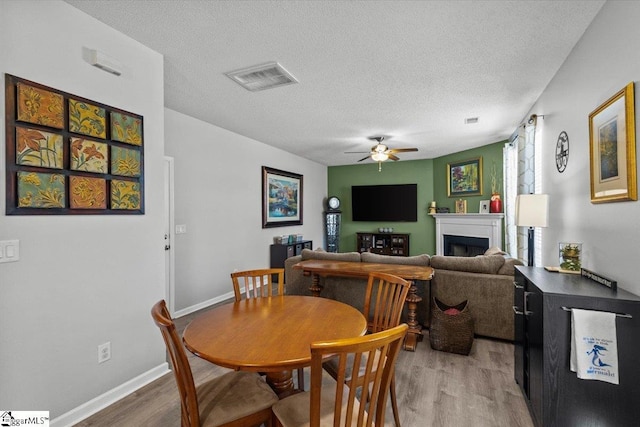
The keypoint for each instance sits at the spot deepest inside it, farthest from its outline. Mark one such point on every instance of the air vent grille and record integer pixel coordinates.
(261, 77)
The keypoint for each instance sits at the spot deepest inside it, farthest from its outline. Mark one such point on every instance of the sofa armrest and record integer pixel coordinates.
(490, 299)
(296, 283)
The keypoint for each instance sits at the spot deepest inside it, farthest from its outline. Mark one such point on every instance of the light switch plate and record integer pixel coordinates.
(9, 250)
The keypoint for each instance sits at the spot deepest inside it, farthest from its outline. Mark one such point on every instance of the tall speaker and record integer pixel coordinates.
(332, 219)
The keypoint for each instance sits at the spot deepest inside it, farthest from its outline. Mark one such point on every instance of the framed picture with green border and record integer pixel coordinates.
(464, 178)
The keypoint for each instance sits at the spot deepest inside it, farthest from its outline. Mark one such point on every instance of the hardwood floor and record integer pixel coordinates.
(435, 389)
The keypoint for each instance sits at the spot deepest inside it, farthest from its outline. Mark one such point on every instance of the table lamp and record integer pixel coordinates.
(532, 210)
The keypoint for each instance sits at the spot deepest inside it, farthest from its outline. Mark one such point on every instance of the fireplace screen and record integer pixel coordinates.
(464, 245)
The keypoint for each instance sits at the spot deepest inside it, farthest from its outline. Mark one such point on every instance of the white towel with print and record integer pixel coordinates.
(594, 350)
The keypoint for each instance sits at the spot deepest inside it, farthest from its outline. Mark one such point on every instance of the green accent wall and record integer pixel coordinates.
(431, 178)
(491, 155)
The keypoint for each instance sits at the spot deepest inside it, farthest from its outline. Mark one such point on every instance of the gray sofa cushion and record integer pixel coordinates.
(487, 264)
(320, 254)
(508, 268)
(388, 259)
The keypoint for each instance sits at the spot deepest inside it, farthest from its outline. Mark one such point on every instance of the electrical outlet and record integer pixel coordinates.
(104, 352)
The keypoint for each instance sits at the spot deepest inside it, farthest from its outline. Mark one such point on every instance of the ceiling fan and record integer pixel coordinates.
(380, 152)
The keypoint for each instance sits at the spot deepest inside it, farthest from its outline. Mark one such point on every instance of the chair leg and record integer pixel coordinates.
(301, 379)
(394, 402)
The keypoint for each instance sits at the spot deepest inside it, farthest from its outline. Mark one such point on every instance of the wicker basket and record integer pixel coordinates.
(451, 332)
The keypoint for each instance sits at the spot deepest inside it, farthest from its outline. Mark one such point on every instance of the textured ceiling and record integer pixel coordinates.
(410, 70)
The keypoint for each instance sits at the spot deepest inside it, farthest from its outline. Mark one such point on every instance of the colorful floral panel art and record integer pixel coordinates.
(126, 129)
(89, 156)
(125, 162)
(87, 193)
(38, 148)
(125, 194)
(40, 106)
(69, 155)
(40, 190)
(87, 119)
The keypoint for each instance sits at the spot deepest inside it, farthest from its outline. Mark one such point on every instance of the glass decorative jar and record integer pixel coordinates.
(570, 257)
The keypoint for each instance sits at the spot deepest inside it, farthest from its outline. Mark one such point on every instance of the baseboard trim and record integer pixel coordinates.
(203, 304)
(89, 408)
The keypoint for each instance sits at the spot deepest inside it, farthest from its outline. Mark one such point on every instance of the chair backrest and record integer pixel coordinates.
(385, 295)
(257, 283)
(364, 355)
(180, 362)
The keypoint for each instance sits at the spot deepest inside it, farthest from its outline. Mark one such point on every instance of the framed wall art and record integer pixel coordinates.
(281, 198)
(67, 155)
(464, 178)
(612, 149)
(461, 206)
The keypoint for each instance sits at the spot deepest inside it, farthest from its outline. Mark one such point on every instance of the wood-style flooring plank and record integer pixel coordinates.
(434, 389)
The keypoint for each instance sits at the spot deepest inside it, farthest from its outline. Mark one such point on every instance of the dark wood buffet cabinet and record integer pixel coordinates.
(278, 253)
(396, 244)
(554, 394)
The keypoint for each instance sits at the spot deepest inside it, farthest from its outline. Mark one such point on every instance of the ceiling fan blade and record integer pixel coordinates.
(356, 152)
(364, 158)
(402, 150)
(392, 157)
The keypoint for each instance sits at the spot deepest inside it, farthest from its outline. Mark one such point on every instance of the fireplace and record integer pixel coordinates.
(464, 245)
(480, 226)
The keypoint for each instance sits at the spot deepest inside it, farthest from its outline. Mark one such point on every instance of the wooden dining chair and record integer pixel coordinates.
(383, 303)
(235, 399)
(334, 404)
(257, 284)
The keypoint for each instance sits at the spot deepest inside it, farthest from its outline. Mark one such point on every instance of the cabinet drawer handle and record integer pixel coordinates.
(515, 310)
(515, 285)
(526, 304)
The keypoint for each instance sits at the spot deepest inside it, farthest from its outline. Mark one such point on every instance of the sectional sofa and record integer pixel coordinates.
(485, 281)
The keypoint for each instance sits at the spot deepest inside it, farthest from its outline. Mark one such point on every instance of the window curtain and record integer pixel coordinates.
(520, 171)
(510, 174)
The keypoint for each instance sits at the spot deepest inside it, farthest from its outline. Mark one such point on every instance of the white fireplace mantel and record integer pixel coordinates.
(488, 226)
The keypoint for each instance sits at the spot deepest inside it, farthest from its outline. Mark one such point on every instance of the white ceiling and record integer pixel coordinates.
(410, 70)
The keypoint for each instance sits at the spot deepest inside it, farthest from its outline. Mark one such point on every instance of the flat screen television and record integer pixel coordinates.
(398, 202)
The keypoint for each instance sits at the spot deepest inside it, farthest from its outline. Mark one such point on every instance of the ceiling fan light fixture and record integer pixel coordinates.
(380, 156)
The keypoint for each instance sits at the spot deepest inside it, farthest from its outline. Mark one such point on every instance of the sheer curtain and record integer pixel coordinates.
(522, 169)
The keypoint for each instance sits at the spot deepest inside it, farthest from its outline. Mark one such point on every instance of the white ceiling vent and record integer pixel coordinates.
(260, 77)
(471, 120)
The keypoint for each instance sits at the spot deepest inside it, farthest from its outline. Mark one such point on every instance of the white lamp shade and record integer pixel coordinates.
(532, 210)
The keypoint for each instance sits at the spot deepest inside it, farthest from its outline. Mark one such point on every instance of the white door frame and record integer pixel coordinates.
(169, 230)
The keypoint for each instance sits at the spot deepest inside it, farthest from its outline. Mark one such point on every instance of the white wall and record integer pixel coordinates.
(602, 63)
(81, 280)
(218, 188)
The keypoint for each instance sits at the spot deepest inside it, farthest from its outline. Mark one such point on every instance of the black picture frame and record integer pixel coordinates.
(281, 198)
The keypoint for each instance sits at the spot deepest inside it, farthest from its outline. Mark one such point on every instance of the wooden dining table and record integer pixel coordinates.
(271, 335)
(317, 268)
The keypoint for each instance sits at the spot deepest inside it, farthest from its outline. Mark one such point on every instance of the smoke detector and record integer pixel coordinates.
(261, 77)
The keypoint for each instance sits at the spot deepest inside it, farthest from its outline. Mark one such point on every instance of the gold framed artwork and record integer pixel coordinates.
(461, 206)
(464, 178)
(612, 149)
(67, 155)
